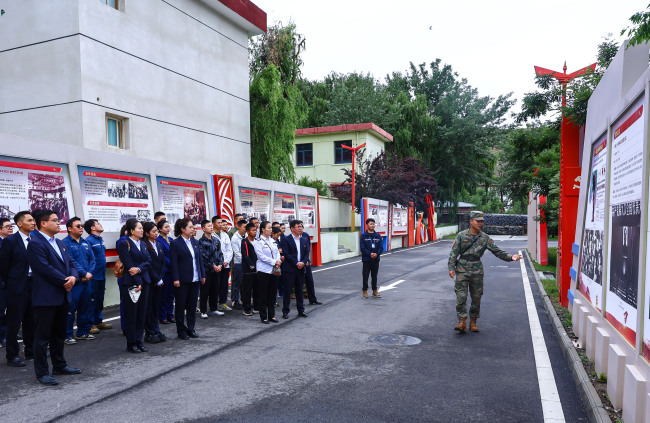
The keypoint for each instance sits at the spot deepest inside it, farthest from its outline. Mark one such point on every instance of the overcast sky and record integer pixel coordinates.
(494, 44)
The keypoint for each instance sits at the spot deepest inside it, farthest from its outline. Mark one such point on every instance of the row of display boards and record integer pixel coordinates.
(612, 273)
(113, 195)
(391, 220)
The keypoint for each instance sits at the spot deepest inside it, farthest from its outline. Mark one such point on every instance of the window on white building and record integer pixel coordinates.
(342, 155)
(304, 154)
(115, 131)
(115, 4)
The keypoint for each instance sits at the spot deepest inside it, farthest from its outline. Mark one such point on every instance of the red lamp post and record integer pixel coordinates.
(354, 152)
(569, 182)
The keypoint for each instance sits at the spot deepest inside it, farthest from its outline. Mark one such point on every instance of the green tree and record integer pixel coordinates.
(277, 105)
(639, 31)
(320, 186)
(274, 119)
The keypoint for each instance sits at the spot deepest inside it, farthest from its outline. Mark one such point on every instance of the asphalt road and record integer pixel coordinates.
(324, 368)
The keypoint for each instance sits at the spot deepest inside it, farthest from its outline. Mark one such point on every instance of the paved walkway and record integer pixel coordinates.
(326, 368)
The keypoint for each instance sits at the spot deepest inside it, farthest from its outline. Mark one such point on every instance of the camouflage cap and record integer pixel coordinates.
(477, 215)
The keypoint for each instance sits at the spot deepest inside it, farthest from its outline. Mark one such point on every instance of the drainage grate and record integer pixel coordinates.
(392, 339)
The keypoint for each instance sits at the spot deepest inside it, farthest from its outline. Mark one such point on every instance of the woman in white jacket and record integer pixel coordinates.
(265, 289)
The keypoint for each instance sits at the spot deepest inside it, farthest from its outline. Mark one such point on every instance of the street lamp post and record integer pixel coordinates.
(354, 153)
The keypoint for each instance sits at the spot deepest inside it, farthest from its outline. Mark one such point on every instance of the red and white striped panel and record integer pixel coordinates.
(226, 202)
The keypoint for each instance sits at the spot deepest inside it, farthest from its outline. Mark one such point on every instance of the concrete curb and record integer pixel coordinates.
(588, 394)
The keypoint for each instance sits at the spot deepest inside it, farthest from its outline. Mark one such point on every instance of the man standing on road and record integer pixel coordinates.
(470, 245)
(372, 245)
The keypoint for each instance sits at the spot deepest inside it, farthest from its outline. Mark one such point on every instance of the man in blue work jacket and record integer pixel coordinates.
(372, 246)
(84, 260)
(98, 282)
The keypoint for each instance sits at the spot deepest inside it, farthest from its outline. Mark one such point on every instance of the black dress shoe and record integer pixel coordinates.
(183, 336)
(161, 337)
(133, 349)
(47, 380)
(302, 314)
(266, 322)
(273, 320)
(285, 315)
(192, 334)
(171, 320)
(15, 362)
(142, 348)
(152, 339)
(315, 303)
(67, 370)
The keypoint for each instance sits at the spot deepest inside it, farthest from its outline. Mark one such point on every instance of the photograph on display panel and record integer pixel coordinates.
(307, 210)
(255, 203)
(179, 198)
(31, 185)
(625, 186)
(284, 207)
(113, 197)
(590, 279)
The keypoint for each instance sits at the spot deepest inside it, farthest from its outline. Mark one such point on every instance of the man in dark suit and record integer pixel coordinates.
(6, 228)
(309, 278)
(296, 257)
(53, 275)
(17, 275)
(188, 274)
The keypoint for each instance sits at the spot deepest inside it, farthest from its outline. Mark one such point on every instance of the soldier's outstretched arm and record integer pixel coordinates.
(500, 253)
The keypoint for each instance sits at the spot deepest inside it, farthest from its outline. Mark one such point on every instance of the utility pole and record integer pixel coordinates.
(354, 153)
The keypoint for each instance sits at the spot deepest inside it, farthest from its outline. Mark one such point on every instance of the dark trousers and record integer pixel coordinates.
(81, 308)
(19, 310)
(186, 297)
(235, 283)
(309, 282)
(210, 291)
(266, 286)
(293, 280)
(49, 329)
(134, 314)
(97, 292)
(122, 321)
(248, 282)
(3, 318)
(223, 285)
(167, 298)
(370, 268)
(153, 305)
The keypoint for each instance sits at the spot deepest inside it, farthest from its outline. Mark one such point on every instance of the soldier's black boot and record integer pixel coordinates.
(461, 326)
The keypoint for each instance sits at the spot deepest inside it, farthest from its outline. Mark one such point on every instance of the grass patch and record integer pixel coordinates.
(551, 288)
(552, 262)
(452, 236)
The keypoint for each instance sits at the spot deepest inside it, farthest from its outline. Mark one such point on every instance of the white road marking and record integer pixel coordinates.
(391, 286)
(551, 404)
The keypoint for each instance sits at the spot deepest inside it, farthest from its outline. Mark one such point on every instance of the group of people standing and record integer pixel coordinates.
(47, 284)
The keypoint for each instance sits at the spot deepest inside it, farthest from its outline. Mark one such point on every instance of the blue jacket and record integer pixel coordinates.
(156, 270)
(14, 266)
(165, 246)
(291, 253)
(49, 271)
(99, 250)
(82, 255)
(366, 244)
(131, 256)
(181, 260)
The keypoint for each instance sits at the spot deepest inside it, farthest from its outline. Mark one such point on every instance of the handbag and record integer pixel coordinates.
(277, 271)
(118, 270)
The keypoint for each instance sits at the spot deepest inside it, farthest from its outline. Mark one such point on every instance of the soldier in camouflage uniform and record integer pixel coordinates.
(470, 245)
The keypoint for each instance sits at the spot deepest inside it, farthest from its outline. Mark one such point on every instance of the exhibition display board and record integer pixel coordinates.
(112, 197)
(592, 257)
(284, 207)
(399, 225)
(32, 184)
(307, 210)
(624, 242)
(255, 202)
(178, 198)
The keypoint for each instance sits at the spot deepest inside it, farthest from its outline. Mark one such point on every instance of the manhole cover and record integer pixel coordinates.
(392, 339)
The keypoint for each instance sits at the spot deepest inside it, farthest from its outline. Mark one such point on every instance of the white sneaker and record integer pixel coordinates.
(223, 307)
(70, 341)
(86, 337)
(204, 316)
(256, 311)
(216, 313)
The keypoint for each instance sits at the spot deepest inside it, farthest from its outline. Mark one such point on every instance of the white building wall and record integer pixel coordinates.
(177, 71)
